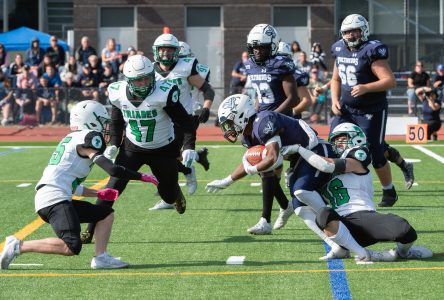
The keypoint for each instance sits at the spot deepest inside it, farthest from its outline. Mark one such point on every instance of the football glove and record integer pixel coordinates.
(204, 115)
(249, 169)
(108, 194)
(149, 178)
(188, 157)
(219, 184)
(289, 150)
(110, 152)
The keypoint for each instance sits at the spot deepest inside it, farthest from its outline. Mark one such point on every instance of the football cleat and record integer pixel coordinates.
(409, 177)
(161, 205)
(10, 251)
(389, 198)
(86, 237)
(181, 203)
(262, 227)
(417, 252)
(191, 181)
(375, 256)
(284, 215)
(203, 158)
(336, 253)
(106, 261)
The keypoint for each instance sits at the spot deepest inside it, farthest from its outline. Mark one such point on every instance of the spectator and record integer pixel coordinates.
(317, 57)
(34, 55)
(303, 64)
(46, 97)
(130, 52)
(53, 77)
(4, 59)
(296, 51)
(107, 78)
(438, 81)
(238, 75)
(56, 53)
(73, 67)
(25, 100)
(16, 68)
(431, 107)
(28, 76)
(70, 90)
(96, 69)
(318, 99)
(111, 55)
(88, 84)
(84, 51)
(42, 67)
(7, 100)
(417, 79)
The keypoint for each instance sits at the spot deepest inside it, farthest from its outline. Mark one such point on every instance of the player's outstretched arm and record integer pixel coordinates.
(221, 184)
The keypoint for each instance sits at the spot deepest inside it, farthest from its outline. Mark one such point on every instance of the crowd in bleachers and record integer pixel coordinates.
(33, 85)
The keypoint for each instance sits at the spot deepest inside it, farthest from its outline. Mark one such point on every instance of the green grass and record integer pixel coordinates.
(176, 256)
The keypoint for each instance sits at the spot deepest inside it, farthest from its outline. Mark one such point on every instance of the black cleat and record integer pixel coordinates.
(389, 198)
(409, 177)
(86, 237)
(203, 159)
(181, 203)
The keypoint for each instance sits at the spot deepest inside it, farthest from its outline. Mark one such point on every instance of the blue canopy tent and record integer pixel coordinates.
(20, 39)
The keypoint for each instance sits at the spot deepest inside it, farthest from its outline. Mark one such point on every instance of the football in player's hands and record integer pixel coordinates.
(256, 154)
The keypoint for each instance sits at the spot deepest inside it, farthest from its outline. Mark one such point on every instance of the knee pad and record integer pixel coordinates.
(325, 216)
(393, 154)
(74, 244)
(311, 198)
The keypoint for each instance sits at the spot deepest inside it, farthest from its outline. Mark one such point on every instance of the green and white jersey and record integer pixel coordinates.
(179, 76)
(66, 168)
(196, 94)
(350, 192)
(147, 125)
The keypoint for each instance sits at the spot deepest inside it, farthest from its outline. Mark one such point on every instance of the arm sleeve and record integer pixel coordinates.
(116, 127)
(179, 115)
(115, 170)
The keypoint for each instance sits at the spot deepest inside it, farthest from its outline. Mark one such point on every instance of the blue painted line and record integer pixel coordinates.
(338, 280)
(12, 151)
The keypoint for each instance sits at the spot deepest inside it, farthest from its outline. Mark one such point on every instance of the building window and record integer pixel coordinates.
(117, 17)
(388, 17)
(203, 16)
(289, 16)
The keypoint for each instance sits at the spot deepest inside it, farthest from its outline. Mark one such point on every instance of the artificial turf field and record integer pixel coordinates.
(176, 256)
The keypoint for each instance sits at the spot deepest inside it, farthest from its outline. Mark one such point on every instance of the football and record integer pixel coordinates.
(255, 154)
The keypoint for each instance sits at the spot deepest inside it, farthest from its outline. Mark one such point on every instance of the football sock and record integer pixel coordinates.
(308, 215)
(387, 187)
(344, 238)
(268, 188)
(280, 195)
(403, 249)
(403, 166)
(311, 198)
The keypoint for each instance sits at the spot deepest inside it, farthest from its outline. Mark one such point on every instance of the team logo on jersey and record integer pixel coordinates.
(360, 155)
(337, 49)
(304, 80)
(382, 51)
(268, 128)
(97, 142)
(369, 116)
(125, 106)
(175, 96)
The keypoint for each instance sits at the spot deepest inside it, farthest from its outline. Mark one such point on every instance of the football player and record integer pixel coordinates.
(302, 81)
(361, 77)
(197, 98)
(271, 76)
(146, 110)
(68, 167)
(184, 72)
(237, 115)
(352, 220)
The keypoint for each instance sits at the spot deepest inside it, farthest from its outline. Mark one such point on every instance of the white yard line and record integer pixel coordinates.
(429, 153)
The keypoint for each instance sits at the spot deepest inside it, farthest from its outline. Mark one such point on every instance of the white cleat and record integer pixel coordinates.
(10, 251)
(336, 253)
(372, 255)
(106, 261)
(284, 215)
(161, 205)
(418, 252)
(191, 181)
(262, 227)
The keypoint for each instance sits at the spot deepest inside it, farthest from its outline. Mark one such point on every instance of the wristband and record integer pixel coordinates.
(79, 191)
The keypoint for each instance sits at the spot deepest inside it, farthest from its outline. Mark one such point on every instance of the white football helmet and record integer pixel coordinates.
(354, 134)
(91, 115)
(355, 21)
(263, 35)
(138, 67)
(284, 49)
(233, 114)
(185, 50)
(169, 41)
